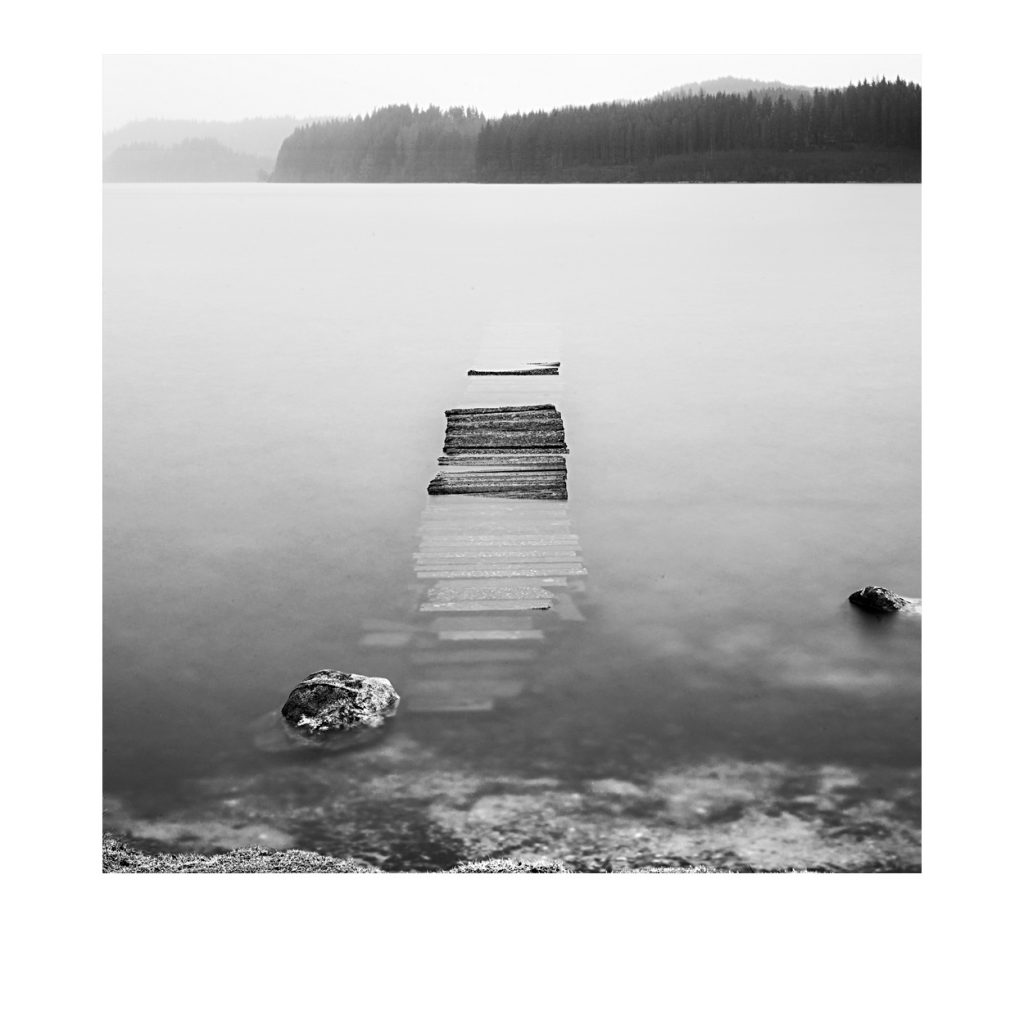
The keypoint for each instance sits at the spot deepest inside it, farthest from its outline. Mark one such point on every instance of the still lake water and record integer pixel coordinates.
(741, 367)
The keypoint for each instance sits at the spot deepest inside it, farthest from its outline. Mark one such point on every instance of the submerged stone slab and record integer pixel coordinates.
(441, 702)
(505, 555)
(541, 604)
(491, 634)
(489, 590)
(383, 639)
(485, 655)
(512, 540)
(450, 622)
(548, 572)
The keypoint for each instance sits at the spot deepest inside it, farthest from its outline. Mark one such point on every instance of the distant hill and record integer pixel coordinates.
(738, 87)
(189, 160)
(258, 136)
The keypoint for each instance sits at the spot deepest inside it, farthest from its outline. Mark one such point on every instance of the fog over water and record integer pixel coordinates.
(240, 85)
(741, 368)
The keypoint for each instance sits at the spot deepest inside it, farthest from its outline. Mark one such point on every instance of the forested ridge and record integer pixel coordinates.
(397, 143)
(870, 131)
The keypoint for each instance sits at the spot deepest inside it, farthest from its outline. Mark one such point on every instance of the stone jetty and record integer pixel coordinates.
(499, 577)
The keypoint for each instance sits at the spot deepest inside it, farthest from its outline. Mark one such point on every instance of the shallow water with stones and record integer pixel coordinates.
(739, 388)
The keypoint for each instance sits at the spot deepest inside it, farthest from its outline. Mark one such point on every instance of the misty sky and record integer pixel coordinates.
(233, 86)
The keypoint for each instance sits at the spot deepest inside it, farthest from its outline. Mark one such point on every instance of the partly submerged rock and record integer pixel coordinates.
(329, 710)
(879, 600)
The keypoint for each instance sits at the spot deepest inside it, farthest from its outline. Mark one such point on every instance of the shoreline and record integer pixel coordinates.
(121, 858)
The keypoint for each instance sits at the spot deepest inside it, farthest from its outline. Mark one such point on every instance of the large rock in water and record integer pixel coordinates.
(878, 600)
(329, 710)
(330, 701)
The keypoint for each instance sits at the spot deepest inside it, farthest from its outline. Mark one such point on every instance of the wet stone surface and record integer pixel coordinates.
(330, 705)
(504, 451)
(879, 600)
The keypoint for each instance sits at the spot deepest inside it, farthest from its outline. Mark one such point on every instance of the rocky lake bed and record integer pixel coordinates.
(402, 806)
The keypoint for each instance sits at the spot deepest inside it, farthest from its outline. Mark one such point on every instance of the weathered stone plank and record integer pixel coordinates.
(474, 656)
(510, 589)
(499, 409)
(444, 703)
(537, 494)
(525, 371)
(537, 604)
(503, 571)
(510, 540)
(461, 635)
(386, 639)
(502, 556)
(446, 622)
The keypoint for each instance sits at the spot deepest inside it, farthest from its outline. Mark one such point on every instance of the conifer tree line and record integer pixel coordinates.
(397, 143)
(871, 130)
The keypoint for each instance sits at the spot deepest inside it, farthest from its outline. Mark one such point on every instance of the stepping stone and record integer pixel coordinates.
(485, 622)
(385, 639)
(527, 438)
(468, 505)
(485, 688)
(440, 702)
(500, 409)
(524, 518)
(489, 590)
(493, 528)
(539, 494)
(499, 469)
(499, 481)
(543, 566)
(462, 635)
(536, 605)
(483, 674)
(527, 418)
(462, 657)
(484, 540)
(504, 555)
(503, 572)
(507, 456)
(460, 542)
